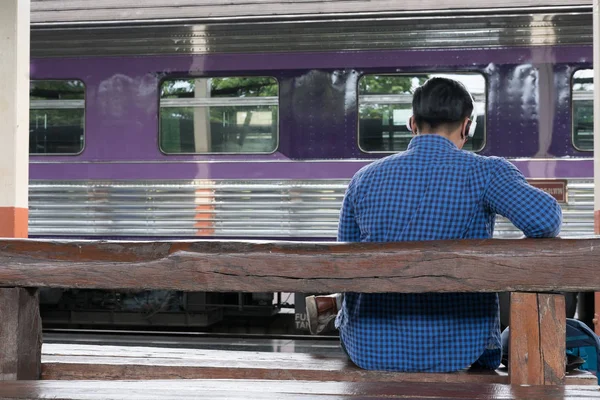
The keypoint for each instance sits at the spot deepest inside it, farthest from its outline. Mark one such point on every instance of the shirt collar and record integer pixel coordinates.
(432, 141)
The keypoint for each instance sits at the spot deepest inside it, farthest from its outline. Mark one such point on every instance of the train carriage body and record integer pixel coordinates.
(251, 127)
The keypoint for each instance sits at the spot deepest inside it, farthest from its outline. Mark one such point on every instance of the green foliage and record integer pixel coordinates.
(583, 115)
(390, 84)
(233, 87)
(54, 130)
(386, 85)
(223, 118)
(221, 87)
(56, 90)
(244, 87)
(583, 111)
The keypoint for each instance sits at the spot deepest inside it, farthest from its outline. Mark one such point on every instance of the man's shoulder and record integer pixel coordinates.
(488, 164)
(382, 163)
(496, 163)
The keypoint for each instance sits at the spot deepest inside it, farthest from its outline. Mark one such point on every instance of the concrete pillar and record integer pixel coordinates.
(21, 330)
(596, 16)
(202, 117)
(14, 114)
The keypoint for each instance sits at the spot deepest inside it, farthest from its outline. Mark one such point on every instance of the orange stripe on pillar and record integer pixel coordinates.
(204, 220)
(14, 114)
(13, 222)
(597, 222)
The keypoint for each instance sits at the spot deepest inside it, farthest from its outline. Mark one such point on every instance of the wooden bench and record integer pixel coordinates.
(532, 269)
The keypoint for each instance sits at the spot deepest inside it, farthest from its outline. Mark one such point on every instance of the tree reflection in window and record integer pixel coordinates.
(56, 116)
(583, 110)
(385, 104)
(219, 115)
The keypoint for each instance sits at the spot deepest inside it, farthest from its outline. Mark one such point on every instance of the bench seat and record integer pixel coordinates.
(75, 362)
(263, 389)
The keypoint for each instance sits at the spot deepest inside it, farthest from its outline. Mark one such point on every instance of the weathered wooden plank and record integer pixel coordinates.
(20, 334)
(450, 266)
(553, 329)
(245, 389)
(525, 363)
(92, 362)
(596, 313)
(81, 362)
(537, 339)
(137, 369)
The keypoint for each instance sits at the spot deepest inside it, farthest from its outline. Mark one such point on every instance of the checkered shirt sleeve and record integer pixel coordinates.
(348, 229)
(533, 211)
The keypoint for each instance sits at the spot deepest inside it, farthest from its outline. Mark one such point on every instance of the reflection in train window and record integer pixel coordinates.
(219, 115)
(583, 110)
(56, 116)
(385, 104)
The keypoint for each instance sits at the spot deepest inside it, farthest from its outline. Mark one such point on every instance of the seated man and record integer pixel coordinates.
(432, 191)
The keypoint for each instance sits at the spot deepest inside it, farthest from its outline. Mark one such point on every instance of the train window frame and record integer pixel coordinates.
(185, 77)
(84, 134)
(572, 93)
(413, 74)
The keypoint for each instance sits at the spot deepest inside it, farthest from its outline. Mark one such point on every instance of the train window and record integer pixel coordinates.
(583, 110)
(385, 104)
(56, 116)
(219, 115)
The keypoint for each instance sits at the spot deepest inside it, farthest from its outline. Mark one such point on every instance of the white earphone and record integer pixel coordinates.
(472, 126)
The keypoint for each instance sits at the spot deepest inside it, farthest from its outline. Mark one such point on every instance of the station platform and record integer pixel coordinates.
(282, 390)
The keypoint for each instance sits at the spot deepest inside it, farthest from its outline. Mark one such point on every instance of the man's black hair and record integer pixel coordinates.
(441, 101)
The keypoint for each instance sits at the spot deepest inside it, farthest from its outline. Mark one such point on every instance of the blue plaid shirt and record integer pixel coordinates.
(433, 191)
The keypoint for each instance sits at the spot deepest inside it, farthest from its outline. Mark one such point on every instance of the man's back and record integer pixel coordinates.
(433, 191)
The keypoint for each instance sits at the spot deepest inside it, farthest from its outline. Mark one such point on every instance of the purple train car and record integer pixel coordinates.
(250, 128)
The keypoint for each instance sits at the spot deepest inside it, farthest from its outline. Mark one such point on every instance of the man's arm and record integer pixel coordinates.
(531, 210)
(348, 230)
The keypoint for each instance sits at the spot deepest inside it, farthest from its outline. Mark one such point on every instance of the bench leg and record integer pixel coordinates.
(20, 334)
(596, 312)
(537, 339)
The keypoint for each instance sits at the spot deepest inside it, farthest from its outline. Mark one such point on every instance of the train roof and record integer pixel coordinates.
(69, 32)
(118, 11)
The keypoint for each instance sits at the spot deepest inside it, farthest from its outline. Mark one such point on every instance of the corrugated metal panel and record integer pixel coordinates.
(116, 10)
(223, 208)
(492, 30)
(195, 208)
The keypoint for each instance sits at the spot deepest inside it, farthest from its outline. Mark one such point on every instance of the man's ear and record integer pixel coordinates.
(412, 126)
(464, 129)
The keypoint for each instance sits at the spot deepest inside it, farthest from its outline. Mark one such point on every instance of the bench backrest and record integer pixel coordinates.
(446, 266)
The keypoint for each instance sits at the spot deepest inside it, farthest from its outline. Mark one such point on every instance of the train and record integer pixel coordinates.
(250, 128)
